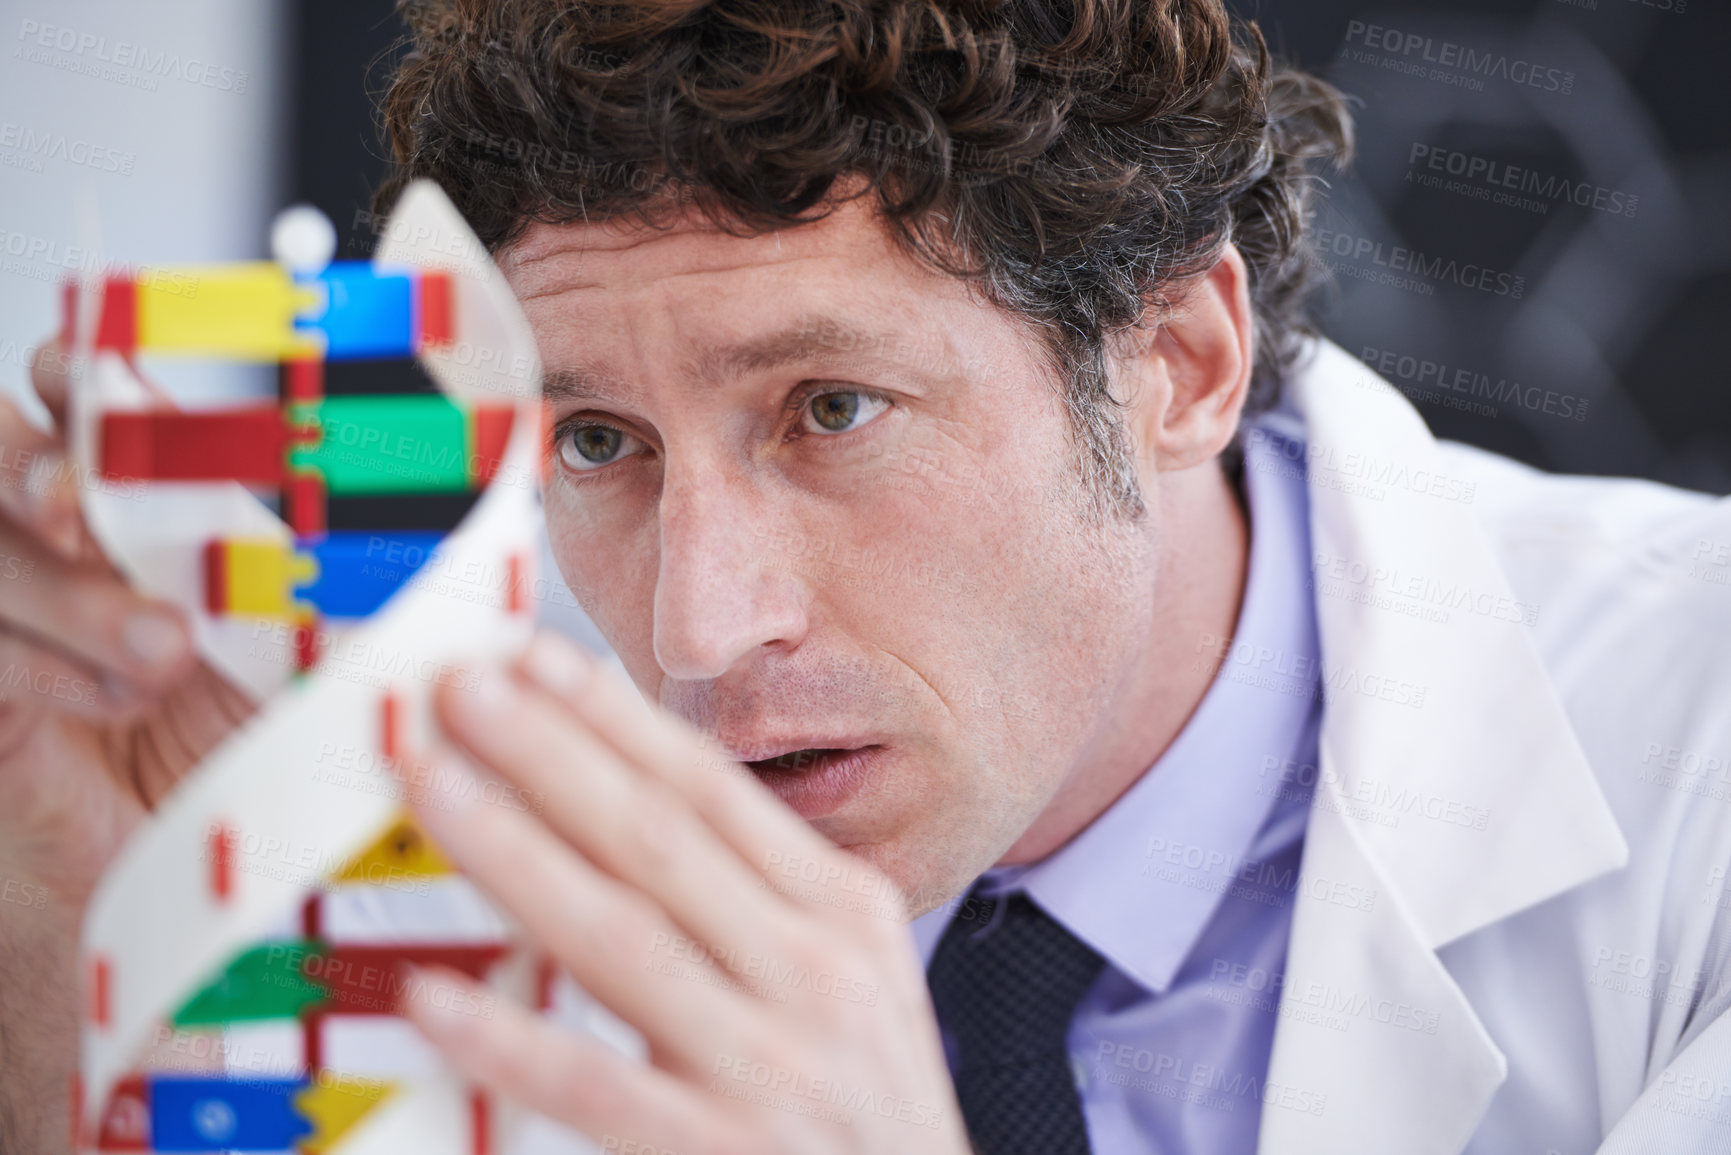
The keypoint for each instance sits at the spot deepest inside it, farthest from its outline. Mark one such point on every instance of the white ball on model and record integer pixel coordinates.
(303, 239)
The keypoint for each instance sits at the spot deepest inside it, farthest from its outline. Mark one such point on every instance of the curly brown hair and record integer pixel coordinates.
(1073, 158)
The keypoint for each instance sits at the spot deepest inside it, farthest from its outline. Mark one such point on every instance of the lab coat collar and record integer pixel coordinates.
(1451, 791)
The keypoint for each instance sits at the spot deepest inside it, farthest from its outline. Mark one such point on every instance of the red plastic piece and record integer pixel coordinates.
(304, 379)
(310, 920)
(312, 1023)
(126, 1119)
(247, 444)
(303, 497)
(492, 431)
(390, 723)
(117, 326)
(366, 980)
(438, 314)
(478, 1114)
(215, 577)
(68, 317)
(306, 636)
(222, 863)
(515, 602)
(99, 982)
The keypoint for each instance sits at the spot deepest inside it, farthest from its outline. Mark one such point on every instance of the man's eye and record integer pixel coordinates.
(841, 412)
(592, 446)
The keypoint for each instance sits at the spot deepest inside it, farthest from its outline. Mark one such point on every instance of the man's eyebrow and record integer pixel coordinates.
(808, 336)
(584, 381)
(715, 364)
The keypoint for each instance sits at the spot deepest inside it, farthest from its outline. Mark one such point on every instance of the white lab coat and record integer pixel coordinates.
(1522, 814)
(1510, 934)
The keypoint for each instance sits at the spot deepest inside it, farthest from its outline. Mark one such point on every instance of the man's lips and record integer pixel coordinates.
(768, 746)
(804, 759)
(818, 780)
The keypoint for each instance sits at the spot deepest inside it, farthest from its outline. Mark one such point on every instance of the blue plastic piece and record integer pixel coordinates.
(359, 571)
(369, 314)
(216, 1114)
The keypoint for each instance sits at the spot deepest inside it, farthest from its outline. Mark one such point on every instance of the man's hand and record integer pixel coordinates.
(103, 706)
(103, 703)
(783, 1016)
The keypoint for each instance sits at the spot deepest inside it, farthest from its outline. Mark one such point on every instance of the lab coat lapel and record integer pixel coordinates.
(1455, 799)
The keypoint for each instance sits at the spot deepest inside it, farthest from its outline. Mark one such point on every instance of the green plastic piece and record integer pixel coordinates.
(262, 982)
(388, 444)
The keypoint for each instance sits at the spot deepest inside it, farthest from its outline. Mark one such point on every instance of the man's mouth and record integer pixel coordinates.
(818, 780)
(806, 759)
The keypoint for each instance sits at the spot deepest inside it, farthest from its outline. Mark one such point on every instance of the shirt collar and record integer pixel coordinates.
(1142, 881)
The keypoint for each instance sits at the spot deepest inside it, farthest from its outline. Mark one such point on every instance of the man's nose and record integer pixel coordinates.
(718, 597)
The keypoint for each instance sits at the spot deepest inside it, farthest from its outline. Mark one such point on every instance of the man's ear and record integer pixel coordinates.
(1186, 381)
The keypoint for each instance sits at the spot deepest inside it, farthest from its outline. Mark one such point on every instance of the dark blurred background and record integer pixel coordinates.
(1534, 244)
(1626, 101)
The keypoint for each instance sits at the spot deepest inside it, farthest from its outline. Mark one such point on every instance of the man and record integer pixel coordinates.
(1260, 776)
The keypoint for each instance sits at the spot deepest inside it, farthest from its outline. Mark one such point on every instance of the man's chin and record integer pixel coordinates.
(922, 885)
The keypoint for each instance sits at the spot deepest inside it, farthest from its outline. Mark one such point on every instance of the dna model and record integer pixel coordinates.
(238, 990)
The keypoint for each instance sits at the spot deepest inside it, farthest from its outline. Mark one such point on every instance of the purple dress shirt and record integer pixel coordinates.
(1184, 885)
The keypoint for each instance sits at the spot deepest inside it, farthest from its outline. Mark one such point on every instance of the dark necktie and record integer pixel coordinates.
(1005, 990)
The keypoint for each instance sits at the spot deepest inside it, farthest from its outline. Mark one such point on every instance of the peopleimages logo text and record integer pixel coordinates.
(1498, 174)
(1400, 259)
(125, 54)
(59, 146)
(1448, 54)
(1398, 367)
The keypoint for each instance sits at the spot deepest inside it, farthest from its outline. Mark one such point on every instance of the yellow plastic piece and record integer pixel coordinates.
(334, 1104)
(403, 851)
(261, 575)
(243, 312)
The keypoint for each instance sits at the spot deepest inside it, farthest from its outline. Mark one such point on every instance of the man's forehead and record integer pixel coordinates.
(864, 303)
(622, 254)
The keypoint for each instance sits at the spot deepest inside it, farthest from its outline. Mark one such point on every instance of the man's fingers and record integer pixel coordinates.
(33, 673)
(189, 720)
(618, 945)
(89, 614)
(51, 375)
(37, 490)
(747, 815)
(632, 825)
(559, 1073)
